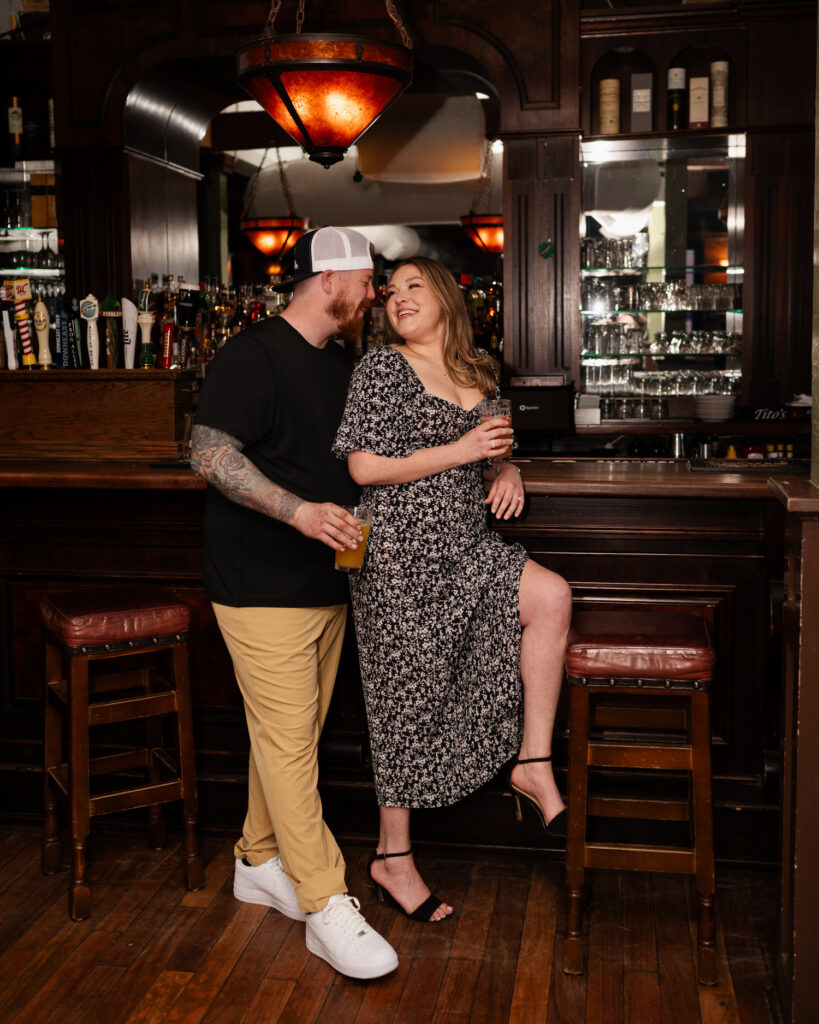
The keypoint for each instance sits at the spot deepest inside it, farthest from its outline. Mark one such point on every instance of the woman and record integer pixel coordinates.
(449, 617)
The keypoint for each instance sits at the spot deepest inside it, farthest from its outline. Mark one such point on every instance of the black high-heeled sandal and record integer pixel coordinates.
(557, 826)
(421, 913)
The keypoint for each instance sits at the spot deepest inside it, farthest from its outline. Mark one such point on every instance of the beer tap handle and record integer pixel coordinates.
(42, 325)
(129, 332)
(90, 311)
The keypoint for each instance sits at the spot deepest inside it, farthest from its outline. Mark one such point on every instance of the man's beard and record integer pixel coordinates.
(348, 317)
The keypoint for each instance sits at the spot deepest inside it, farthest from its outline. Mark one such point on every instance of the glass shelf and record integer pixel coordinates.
(593, 356)
(17, 233)
(32, 271)
(618, 312)
(734, 270)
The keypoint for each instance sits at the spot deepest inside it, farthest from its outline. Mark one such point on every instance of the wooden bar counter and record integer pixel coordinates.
(619, 530)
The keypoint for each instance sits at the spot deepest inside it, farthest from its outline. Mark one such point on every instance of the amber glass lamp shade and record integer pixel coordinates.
(325, 91)
(274, 235)
(485, 230)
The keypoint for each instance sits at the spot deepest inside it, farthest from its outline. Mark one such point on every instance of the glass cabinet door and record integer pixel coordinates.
(661, 275)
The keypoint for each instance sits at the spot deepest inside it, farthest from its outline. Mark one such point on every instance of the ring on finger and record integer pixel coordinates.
(492, 443)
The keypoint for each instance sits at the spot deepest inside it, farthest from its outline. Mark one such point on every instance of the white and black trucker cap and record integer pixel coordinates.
(327, 249)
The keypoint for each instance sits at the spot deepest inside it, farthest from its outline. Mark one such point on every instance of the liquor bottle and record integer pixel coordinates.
(609, 106)
(240, 318)
(698, 101)
(677, 106)
(719, 94)
(15, 130)
(376, 318)
(642, 115)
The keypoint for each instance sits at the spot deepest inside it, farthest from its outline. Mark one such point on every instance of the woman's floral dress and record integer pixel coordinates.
(436, 602)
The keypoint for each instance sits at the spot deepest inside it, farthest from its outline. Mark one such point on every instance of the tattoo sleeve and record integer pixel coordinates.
(218, 458)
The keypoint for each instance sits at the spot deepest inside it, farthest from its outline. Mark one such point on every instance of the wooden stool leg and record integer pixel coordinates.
(707, 969)
(52, 746)
(79, 810)
(157, 831)
(576, 828)
(194, 868)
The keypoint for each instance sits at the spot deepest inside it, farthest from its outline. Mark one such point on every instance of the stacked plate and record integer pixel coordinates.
(714, 408)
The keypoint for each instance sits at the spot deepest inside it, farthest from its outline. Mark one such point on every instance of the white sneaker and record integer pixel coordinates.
(268, 885)
(341, 936)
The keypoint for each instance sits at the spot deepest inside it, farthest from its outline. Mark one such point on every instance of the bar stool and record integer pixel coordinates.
(636, 670)
(113, 655)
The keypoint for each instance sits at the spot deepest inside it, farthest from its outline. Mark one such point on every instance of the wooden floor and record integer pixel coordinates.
(152, 952)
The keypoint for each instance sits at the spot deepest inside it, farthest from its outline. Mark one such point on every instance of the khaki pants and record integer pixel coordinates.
(285, 660)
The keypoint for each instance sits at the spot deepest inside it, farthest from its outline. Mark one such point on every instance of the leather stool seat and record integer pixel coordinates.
(639, 700)
(628, 643)
(92, 618)
(116, 655)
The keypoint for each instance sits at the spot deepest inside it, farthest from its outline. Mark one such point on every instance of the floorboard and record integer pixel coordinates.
(152, 953)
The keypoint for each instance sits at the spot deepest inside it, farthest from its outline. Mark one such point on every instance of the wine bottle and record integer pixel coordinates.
(15, 129)
(677, 106)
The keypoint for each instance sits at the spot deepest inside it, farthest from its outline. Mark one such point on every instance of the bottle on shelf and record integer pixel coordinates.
(677, 105)
(642, 113)
(609, 106)
(15, 129)
(719, 94)
(240, 318)
(375, 323)
(698, 101)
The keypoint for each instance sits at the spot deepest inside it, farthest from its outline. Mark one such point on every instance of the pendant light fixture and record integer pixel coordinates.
(325, 90)
(485, 229)
(273, 236)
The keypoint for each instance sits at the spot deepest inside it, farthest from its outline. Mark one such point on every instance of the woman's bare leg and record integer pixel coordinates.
(545, 614)
(399, 875)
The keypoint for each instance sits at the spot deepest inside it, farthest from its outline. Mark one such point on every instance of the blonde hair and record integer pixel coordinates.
(462, 361)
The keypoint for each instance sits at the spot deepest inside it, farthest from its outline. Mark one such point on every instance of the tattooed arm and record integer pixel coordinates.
(217, 456)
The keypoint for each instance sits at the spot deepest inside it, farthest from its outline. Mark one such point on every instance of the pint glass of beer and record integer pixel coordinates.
(349, 560)
(494, 408)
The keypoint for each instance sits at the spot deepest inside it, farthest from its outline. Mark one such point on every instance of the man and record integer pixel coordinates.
(267, 416)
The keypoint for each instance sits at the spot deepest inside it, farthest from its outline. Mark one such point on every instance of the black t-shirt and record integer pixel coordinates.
(283, 399)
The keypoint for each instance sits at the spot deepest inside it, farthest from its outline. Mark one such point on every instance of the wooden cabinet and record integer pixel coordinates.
(95, 414)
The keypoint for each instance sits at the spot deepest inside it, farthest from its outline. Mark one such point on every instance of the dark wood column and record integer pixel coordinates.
(799, 930)
(541, 205)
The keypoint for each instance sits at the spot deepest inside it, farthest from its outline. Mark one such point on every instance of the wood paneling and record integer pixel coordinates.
(541, 263)
(712, 555)
(105, 414)
(779, 181)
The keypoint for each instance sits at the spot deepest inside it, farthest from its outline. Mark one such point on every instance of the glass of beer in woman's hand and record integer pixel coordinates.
(497, 408)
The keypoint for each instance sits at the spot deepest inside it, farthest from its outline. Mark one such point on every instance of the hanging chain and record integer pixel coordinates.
(480, 201)
(399, 24)
(285, 187)
(254, 184)
(269, 25)
(275, 7)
